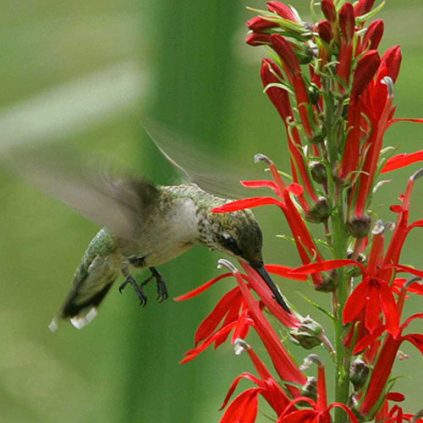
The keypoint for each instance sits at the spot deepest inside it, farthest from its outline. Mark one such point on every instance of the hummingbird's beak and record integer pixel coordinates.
(260, 269)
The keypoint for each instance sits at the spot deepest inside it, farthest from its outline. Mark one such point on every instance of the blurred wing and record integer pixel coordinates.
(119, 203)
(196, 164)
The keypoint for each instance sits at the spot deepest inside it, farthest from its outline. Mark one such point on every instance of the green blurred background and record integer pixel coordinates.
(83, 73)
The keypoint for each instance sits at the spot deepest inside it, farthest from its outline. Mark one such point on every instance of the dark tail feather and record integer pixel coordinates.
(72, 308)
(80, 307)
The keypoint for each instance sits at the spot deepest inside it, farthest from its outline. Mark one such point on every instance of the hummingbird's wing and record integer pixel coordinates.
(204, 168)
(118, 202)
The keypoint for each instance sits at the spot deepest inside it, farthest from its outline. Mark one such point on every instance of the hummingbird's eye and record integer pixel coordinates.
(230, 244)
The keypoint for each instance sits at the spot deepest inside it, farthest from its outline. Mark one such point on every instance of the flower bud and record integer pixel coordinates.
(286, 53)
(324, 29)
(363, 6)
(329, 10)
(347, 21)
(373, 34)
(361, 258)
(392, 60)
(359, 226)
(309, 389)
(319, 212)
(257, 39)
(359, 372)
(313, 93)
(365, 71)
(308, 334)
(283, 10)
(318, 172)
(329, 283)
(319, 137)
(305, 54)
(259, 24)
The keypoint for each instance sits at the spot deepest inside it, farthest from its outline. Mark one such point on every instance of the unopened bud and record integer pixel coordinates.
(328, 284)
(305, 54)
(324, 29)
(359, 371)
(361, 258)
(313, 93)
(308, 334)
(359, 226)
(318, 172)
(319, 212)
(319, 137)
(329, 10)
(309, 389)
(257, 39)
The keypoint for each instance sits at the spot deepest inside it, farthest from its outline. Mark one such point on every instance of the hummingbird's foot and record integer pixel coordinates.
(122, 286)
(138, 289)
(162, 293)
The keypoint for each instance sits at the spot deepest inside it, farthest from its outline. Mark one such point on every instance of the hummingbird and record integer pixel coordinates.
(145, 225)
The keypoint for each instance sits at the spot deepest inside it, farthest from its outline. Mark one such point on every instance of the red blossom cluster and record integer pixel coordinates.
(334, 93)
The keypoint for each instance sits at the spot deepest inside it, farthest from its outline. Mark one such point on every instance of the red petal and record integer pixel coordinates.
(413, 120)
(407, 269)
(299, 416)
(285, 271)
(325, 265)
(372, 310)
(395, 396)
(295, 189)
(246, 203)
(356, 302)
(282, 10)
(282, 361)
(416, 339)
(194, 352)
(402, 160)
(390, 310)
(290, 320)
(234, 384)
(260, 184)
(244, 408)
(410, 319)
(351, 415)
(202, 288)
(210, 323)
(368, 340)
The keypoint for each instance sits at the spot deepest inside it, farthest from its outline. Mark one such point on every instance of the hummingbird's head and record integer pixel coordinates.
(239, 235)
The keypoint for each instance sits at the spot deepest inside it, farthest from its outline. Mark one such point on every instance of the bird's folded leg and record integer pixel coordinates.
(138, 289)
(162, 293)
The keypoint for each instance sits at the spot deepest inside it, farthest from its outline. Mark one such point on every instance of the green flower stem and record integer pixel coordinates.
(339, 241)
(343, 355)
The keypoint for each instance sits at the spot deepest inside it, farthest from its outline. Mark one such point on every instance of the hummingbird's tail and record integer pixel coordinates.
(91, 283)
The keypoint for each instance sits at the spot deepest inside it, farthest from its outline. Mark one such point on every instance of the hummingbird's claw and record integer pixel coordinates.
(122, 287)
(138, 289)
(162, 293)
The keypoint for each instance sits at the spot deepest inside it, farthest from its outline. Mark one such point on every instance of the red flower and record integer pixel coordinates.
(245, 405)
(319, 411)
(385, 362)
(329, 10)
(283, 10)
(306, 246)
